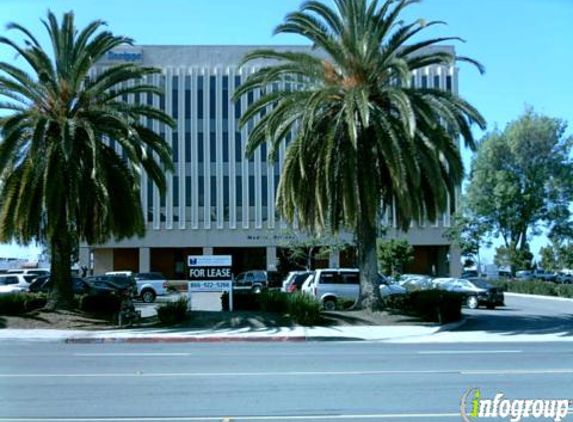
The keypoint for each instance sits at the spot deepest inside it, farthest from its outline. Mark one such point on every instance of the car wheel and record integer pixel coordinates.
(329, 304)
(256, 289)
(148, 296)
(472, 302)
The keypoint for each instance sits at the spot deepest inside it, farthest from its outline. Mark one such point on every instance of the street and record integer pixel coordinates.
(352, 381)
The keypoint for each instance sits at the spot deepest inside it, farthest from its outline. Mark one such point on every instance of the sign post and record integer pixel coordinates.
(210, 273)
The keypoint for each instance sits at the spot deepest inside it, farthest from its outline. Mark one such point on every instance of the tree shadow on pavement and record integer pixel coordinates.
(508, 324)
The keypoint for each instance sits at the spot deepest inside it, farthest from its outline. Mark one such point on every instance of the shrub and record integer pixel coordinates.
(304, 309)
(401, 303)
(344, 304)
(429, 305)
(273, 301)
(15, 304)
(108, 305)
(173, 312)
(437, 305)
(242, 301)
(535, 288)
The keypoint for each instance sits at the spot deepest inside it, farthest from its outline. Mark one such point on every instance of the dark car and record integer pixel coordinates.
(476, 292)
(257, 280)
(43, 284)
(108, 284)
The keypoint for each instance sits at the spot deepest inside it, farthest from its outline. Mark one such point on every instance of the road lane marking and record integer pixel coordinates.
(467, 352)
(143, 354)
(243, 418)
(296, 373)
(516, 371)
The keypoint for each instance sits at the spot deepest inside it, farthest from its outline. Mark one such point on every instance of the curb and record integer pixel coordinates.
(524, 295)
(451, 326)
(182, 339)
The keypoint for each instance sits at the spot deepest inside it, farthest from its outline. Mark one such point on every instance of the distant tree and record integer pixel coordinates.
(513, 257)
(556, 256)
(62, 182)
(302, 248)
(393, 255)
(521, 179)
(468, 232)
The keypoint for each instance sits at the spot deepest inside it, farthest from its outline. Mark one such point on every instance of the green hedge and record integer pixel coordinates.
(173, 312)
(535, 287)
(15, 304)
(429, 305)
(105, 305)
(302, 309)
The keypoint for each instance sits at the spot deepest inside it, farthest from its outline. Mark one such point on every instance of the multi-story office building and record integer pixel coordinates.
(219, 201)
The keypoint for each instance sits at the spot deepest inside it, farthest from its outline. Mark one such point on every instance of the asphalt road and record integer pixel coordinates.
(279, 382)
(523, 315)
(350, 381)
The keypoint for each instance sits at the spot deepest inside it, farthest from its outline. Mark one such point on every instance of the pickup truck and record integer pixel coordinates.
(149, 285)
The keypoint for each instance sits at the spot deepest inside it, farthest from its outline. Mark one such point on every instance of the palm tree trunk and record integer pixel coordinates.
(366, 234)
(61, 295)
(367, 263)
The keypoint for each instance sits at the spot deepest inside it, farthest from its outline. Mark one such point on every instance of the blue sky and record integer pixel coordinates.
(525, 45)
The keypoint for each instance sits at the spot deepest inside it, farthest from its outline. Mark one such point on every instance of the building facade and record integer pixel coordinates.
(219, 201)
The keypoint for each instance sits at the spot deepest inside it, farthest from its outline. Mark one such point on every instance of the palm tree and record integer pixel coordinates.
(61, 181)
(364, 136)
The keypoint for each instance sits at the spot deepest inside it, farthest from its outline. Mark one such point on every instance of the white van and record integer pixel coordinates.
(332, 284)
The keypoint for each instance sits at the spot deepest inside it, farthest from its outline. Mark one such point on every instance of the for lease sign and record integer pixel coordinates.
(209, 267)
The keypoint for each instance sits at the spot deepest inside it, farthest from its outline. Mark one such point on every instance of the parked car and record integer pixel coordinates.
(257, 280)
(150, 285)
(106, 284)
(294, 280)
(564, 277)
(330, 285)
(476, 292)
(13, 283)
(539, 274)
(415, 282)
(43, 284)
(30, 272)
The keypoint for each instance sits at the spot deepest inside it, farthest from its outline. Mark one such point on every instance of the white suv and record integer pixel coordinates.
(149, 285)
(13, 283)
(332, 284)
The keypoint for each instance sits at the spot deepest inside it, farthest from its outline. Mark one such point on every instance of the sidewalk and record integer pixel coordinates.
(142, 335)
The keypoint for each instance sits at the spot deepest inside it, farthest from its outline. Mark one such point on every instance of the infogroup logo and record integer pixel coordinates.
(474, 407)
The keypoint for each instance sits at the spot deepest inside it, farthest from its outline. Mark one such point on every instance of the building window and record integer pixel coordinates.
(200, 97)
(264, 193)
(214, 191)
(213, 147)
(213, 96)
(449, 83)
(251, 191)
(225, 147)
(188, 191)
(239, 190)
(175, 146)
(424, 81)
(187, 147)
(436, 82)
(200, 155)
(238, 150)
(175, 191)
(201, 185)
(226, 191)
(238, 102)
(175, 97)
(225, 97)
